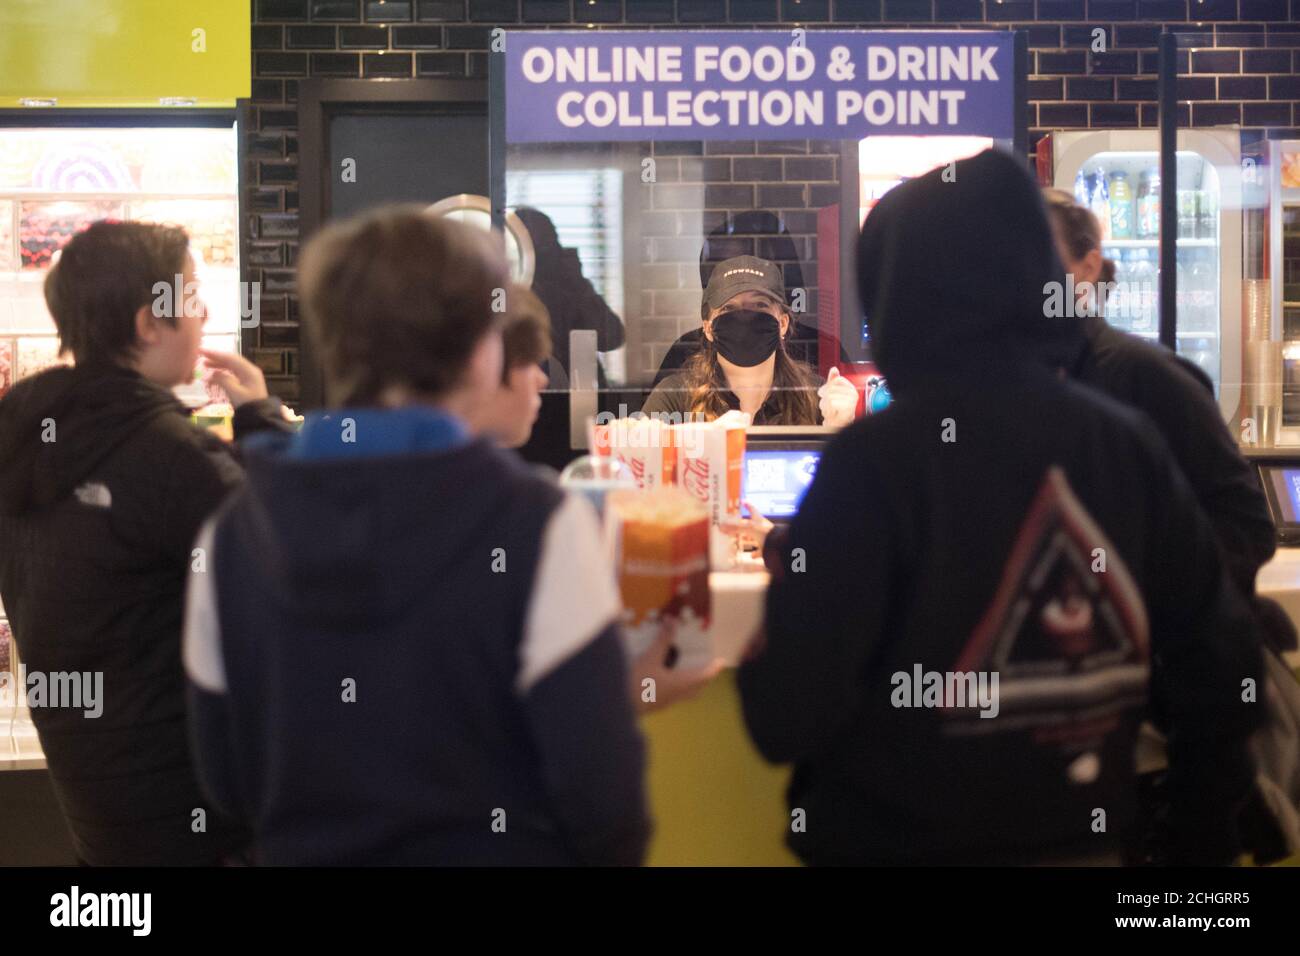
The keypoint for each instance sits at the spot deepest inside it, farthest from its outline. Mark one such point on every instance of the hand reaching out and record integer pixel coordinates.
(240, 379)
(751, 532)
(837, 399)
(670, 684)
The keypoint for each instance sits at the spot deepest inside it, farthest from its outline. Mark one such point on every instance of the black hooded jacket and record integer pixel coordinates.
(1001, 522)
(1179, 399)
(103, 485)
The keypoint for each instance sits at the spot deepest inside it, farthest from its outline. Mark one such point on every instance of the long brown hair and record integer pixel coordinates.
(793, 387)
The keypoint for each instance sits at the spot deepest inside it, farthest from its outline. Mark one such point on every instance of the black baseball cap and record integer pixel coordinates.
(742, 274)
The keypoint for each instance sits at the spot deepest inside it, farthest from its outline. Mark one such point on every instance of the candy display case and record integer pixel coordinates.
(56, 181)
(45, 225)
(6, 365)
(6, 237)
(19, 747)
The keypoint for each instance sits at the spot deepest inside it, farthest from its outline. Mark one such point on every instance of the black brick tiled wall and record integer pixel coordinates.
(1241, 61)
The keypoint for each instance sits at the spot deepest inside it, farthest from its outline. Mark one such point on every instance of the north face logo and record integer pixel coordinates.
(94, 494)
(1065, 639)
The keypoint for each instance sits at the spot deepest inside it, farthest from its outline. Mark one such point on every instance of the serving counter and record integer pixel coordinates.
(715, 800)
(1280, 580)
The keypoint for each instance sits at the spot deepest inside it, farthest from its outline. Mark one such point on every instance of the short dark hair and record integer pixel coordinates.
(526, 336)
(104, 276)
(396, 297)
(1077, 227)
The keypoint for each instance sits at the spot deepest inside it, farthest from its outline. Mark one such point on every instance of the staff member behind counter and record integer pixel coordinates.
(743, 364)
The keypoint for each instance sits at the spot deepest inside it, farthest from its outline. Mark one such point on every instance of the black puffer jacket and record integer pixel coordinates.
(103, 485)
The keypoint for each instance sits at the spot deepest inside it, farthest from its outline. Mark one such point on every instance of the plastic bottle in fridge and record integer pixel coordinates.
(1201, 351)
(1201, 281)
(1206, 214)
(1081, 188)
(1118, 307)
(1148, 204)
(1181, 297)
(1099, 202)
(1121, 206)
(1142, 279)
(1186, 214)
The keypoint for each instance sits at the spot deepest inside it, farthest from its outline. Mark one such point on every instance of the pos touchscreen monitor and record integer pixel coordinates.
(780, 464)
(1281, 481)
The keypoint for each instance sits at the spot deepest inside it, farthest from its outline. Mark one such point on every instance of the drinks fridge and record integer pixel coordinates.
(1117, 174)
(1283, 250)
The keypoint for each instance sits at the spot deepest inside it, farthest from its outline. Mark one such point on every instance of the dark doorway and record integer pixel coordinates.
(409, 140)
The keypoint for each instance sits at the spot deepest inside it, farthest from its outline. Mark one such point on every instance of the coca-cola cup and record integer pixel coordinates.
(710, 459)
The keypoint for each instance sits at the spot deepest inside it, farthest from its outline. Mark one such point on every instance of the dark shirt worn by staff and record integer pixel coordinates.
(672, 397)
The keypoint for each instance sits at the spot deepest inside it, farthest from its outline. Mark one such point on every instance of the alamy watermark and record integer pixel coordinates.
(172, 299)
(73, 690)
(133, 911)
(946, 689)
(1121, 300)
(624, 429)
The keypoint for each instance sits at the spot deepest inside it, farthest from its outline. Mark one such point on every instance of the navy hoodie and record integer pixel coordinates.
(996, 521)
(404, 650)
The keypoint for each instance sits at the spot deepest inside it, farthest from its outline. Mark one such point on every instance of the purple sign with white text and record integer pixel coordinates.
(567, 86)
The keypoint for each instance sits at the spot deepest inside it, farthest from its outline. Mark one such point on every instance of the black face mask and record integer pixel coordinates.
(746, 338)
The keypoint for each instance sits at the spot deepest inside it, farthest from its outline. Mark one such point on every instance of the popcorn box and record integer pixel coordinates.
(660, 542)
(710, 462)
(645, 445)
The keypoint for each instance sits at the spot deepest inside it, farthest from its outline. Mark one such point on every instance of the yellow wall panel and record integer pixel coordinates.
(715, 801)
(125, 53)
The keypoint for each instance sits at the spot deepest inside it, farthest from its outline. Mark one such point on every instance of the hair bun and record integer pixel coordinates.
(1107, 270)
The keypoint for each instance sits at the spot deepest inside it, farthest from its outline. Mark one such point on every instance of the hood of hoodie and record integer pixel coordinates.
(89, 411)
(951, 274)
(359, 534)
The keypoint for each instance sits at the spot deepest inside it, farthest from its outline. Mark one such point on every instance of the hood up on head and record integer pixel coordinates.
(951, 274)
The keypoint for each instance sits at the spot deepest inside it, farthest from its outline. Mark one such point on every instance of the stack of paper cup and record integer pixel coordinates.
(710, 459)
(1262, 386)
(644, 445)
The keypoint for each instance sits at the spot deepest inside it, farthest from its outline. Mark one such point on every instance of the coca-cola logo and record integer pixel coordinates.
(638, 468)
(695, 477)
